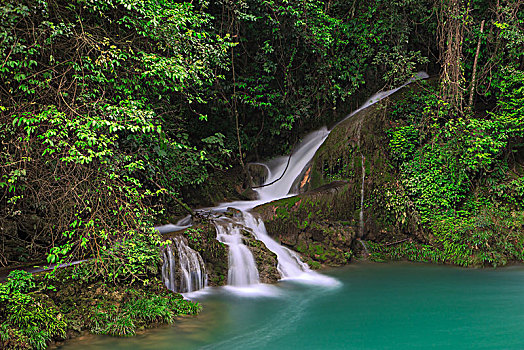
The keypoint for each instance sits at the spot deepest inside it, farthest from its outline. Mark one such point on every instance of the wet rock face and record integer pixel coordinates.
(317, 224)
(327, 244)
(265, 259)
(221, 186)
(258, 173)
(215, 254)
(8, 242)
(202, 238)
(357, 153)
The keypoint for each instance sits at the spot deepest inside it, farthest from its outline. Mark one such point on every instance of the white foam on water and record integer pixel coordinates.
(255, 290)
(199, 293)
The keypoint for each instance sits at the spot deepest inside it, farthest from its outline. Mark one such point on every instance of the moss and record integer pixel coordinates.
(301, 247)
(315, 265)
(318, 217)
(316, 249)
(316, 179)
(217, 279)
(282, 213)
(367, 167)
(312, 227)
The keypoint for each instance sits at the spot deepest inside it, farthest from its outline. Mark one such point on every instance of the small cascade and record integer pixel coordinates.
(242, 267)
(383, 94)
(169, 268)
(179, 226)
(289, 263)
(283, 171)
(366, 251)
(189, 274)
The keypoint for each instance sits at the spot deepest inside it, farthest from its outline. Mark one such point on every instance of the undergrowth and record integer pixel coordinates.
(460, 177)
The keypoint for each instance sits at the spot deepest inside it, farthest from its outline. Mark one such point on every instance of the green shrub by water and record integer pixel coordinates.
(35, 312)
(30, 319)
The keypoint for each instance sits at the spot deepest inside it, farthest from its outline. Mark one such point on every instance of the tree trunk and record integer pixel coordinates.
(451, 22)
(474, 76)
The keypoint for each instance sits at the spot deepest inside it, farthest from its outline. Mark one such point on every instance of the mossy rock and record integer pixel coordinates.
(214, 253)
(327, 213)
(265, 259)
(360, 143)
(315, 224)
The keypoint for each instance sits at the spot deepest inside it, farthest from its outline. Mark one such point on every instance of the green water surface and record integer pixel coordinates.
(376, 306)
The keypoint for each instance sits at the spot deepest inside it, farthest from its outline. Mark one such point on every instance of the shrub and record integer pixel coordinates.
(30, 320)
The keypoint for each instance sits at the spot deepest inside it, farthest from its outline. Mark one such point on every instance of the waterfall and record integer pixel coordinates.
(366, 251)
(287, 174)
(169, 268)
(243, 271)
(289, 263)
(179, 226)
(282, 173)
(189, 274)
(242, 267)
(383, 94)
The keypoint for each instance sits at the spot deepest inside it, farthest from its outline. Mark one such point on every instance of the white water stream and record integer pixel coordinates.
(190, 268)
(241, 261)
(290, 266)
(242, 267)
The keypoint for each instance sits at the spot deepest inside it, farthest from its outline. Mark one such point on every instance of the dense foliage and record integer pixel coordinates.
(112, 109)
(112, 112)
(463, 177)
(93, 96)
(30, 320)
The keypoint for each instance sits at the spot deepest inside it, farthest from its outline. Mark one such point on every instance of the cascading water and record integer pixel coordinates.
(182, 224)
(290, 266)
(301, 156)
(189, 274)
(282, 174)
(169, 268)
(383, 94)
(242, 267)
